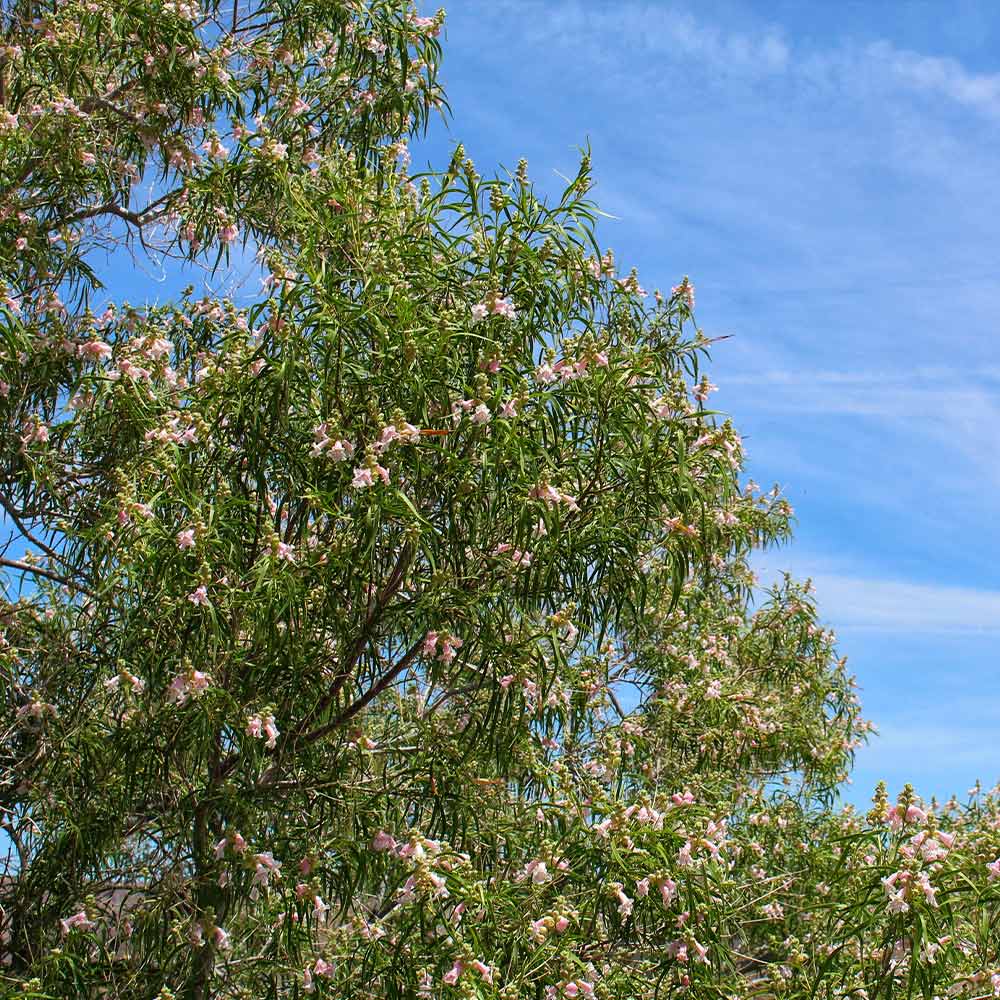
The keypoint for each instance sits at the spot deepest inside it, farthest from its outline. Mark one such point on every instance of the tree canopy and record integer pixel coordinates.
(390, 632)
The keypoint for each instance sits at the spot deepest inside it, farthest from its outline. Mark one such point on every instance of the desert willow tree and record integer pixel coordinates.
(389, 634)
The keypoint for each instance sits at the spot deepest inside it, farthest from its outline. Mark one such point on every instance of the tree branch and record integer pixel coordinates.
(47, 573)
(14, 516)
(369, 696)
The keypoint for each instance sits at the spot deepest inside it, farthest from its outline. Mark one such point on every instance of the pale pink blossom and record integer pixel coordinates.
(537, 871)
(78, 921)
(265, 868)
(383, 841)
(483, 969)
(96, 349)
(503, 307)
(452, 975)
(668, 891)
(363, 478)
(340, 450)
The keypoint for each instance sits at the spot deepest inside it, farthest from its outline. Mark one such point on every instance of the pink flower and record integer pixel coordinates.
(78, 921)
(387, 437)
(363, 478)
(271, 732)
(624, 903)
(185, 539)
(221, 939)
(703, 389)
(198, 682)
(259, 726)
(501, 307)
(483, 969)
(96, 349)
(199, 596)
(668, 891)
(481, 414)
(508, 409)
(265, 867)
(341, 450)
(383, 841)
(537, 871)
(479, 311)
(677, 950)
(449, 645)
(561, 924)
(88, 159)
(187, 685)
(430, 644)
(686, 290)
(451, 976)
(994, 868)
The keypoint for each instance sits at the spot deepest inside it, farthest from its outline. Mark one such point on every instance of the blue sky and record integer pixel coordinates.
(829, 176)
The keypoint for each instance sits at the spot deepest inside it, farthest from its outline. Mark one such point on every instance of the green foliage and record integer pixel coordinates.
(393, 635)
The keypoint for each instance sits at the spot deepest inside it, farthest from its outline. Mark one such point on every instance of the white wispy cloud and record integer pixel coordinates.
(901, 606)
(941, 419)
(587, 27)
(676, 34)
(857, 594)
(938, 76)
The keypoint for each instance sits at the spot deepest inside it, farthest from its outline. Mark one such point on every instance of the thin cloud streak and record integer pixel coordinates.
(675, 33)
(898, 606)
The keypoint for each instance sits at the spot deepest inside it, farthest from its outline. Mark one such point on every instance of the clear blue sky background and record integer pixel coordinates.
(829, 176)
